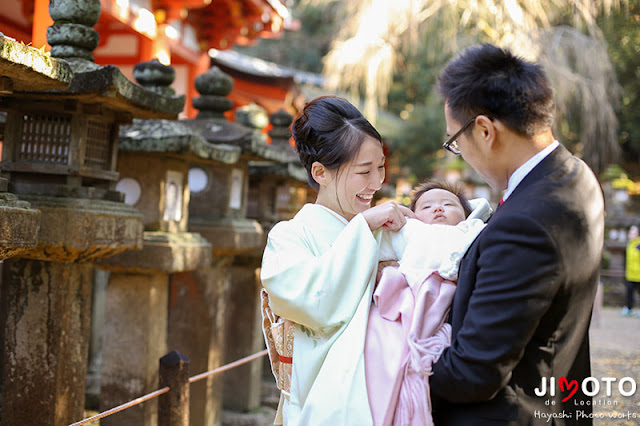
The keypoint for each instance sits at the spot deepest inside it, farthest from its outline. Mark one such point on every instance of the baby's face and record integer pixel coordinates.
(440, 207)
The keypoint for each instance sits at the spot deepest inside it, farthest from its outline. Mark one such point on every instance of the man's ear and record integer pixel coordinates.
(488, 130)
(319, 173)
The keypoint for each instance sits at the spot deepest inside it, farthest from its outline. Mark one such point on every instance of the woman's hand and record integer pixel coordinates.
(387, 215)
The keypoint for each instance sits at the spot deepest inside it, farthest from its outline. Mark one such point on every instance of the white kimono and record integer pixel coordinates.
(319, 271)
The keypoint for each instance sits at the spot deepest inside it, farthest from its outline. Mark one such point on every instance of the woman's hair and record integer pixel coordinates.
(330, 130)
(456, 189)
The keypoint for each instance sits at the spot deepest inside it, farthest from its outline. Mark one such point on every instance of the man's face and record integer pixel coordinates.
(474, 151)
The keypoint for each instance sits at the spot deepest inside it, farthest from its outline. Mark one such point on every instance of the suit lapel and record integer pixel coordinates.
(548, 165)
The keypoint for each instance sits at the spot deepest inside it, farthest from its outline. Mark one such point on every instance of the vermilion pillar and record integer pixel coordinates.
(41, 21)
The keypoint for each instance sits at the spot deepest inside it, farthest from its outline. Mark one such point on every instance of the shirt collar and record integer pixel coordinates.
(522, 171)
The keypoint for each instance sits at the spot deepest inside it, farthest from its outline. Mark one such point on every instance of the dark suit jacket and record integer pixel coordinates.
(522, 307)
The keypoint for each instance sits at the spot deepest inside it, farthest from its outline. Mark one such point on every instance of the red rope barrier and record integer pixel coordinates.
(123, 406)
(228, 366)
(167, 389)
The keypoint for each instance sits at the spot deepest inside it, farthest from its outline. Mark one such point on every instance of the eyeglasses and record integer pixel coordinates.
(451, 144)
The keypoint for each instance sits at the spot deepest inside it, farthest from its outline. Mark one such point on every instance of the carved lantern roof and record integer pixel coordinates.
(24, 68)
(211, 123)
(173, 137)
(73, 39)
(279, 148)
(67, 136)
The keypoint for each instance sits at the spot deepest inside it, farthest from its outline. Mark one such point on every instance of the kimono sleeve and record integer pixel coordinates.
(318, 291)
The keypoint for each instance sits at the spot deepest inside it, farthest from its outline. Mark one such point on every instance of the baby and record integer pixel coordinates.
(455, 222)
(436, 202)
(398, 349)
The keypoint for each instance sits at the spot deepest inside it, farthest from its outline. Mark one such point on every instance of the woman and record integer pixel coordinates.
(319, 268)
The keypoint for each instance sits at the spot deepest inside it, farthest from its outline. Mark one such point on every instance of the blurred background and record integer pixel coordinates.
(242, 69)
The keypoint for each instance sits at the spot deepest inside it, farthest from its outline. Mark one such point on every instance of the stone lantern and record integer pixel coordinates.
(59, 154)
(154, 159)
(242, 386)
(22, 68)
(277, 190)
(217, 211)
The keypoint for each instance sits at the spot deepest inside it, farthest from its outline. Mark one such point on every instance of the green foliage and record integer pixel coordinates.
(417, 147)
(413, 97)
(622, 32)
(421, 137)
(614, 171)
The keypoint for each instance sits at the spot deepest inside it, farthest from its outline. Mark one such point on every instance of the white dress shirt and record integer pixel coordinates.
(522, 171)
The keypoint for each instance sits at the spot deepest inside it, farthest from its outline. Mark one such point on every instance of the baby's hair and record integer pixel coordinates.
(456, 189)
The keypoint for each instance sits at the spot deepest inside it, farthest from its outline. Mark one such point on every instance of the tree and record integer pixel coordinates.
(621, 29)
(380, 37)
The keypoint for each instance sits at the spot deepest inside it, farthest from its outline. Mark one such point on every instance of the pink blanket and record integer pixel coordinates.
(406, 334)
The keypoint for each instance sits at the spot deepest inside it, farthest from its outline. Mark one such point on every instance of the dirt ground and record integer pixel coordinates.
(615, 352)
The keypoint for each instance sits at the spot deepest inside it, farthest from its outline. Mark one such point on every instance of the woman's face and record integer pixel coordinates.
(349, 189)
(439, 206)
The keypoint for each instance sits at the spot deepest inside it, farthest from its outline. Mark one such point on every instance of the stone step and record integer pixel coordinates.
(270, 394)
(263, 416)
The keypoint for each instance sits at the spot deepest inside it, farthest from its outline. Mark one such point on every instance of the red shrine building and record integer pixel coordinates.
(179, 33)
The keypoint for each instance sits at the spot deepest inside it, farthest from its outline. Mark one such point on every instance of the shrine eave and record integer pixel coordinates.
(223, 24)
(252, 69)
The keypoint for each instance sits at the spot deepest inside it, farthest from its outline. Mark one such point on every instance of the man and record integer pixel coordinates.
(522, 308)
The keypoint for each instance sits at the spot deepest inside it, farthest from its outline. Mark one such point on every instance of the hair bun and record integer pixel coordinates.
(329, 130)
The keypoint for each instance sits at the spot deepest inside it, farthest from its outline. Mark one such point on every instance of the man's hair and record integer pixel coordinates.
(494, 82)
(456, 189)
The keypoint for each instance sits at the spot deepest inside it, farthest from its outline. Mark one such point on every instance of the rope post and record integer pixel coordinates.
(173, 407)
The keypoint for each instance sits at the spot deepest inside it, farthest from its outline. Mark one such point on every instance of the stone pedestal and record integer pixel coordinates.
(83, 230)
(96, 341)
(135, 331)
(135, 338)
(242, 385)
(198, 302)
(45, 311)
(46, 305)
